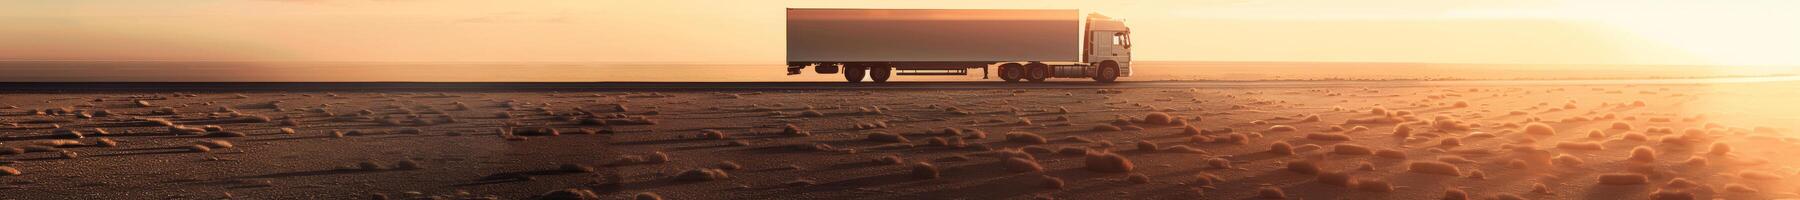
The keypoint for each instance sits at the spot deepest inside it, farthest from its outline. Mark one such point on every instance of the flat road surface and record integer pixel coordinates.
(719, 86)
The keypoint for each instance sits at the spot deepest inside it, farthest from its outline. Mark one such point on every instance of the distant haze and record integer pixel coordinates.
(171, 71)
(1615, 35)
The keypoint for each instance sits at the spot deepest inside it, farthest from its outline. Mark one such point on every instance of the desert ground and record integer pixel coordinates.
(1231, 140)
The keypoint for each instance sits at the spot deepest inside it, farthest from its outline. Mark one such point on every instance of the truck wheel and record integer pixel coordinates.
(1108, 72)
(854, 73)
(881, 74)
(1037, 72)
(1011, 72)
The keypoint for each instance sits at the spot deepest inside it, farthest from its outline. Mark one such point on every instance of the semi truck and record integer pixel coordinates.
(1019, 45)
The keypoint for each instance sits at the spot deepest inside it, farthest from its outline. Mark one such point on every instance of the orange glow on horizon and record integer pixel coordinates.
(1743, 34)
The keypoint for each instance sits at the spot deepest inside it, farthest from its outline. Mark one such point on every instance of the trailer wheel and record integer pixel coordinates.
(1037, 72)
(854, 72)
(1011, 72)
(1108, 72)
(881, 74)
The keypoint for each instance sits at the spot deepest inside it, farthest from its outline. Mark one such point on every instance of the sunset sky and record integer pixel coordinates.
(1750, 32)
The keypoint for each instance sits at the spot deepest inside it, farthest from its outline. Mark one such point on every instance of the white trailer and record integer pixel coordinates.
(1031, 45)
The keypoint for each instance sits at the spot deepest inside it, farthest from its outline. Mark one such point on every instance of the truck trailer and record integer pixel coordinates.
(1029, 45)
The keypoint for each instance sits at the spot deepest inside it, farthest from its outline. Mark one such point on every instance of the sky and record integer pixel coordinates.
(1663, 32)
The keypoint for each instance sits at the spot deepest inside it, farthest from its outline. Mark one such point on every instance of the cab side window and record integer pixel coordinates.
(1125, 39)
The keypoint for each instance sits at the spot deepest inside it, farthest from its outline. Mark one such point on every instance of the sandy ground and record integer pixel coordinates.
(1533, 141)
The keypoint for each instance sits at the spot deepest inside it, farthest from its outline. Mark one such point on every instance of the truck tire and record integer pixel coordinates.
(881, 74)
(854, 73)
(1011, 72)
(1108, 72)
(1037, 72)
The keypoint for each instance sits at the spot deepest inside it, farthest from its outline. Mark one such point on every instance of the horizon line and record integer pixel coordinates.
(781, 62)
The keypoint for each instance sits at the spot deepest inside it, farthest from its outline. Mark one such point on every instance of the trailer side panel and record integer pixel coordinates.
(928, 35)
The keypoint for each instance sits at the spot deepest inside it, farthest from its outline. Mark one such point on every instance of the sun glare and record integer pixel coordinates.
(1749, 35)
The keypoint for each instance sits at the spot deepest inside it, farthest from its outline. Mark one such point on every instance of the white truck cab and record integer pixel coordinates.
(1108, 40)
